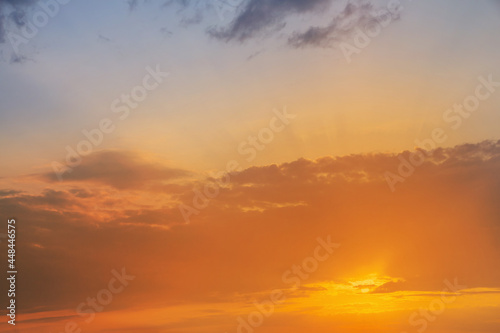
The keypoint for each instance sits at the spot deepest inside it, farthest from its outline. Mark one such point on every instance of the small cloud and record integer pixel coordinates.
(8, 193)
(121, 170)
(255, 54)
(391, 286)
(81, 193)
(165, 32)
(355, 15)
(13, 11)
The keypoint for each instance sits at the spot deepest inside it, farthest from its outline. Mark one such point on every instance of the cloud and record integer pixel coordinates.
(13, 11)
(475, 291)
(259, 16)
(132, 4)
(393, 286)
(441, 224)
(7, 193)
(253, 19)
(14, 16)
(121, 170)
(81, 193)
(2, 29)
(355, 15)
(49, 198)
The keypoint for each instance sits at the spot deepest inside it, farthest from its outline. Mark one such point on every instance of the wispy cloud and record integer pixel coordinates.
(121, 170)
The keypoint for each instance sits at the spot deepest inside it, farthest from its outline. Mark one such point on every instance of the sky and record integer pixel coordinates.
(251, 165)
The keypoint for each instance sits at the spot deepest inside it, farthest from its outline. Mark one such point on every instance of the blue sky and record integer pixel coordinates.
(92, 51)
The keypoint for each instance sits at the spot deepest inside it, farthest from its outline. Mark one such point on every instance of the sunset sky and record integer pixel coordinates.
(252, 165)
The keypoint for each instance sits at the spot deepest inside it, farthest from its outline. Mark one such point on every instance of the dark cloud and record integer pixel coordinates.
(355, 15)
(49, 319)
(255, 54)
(104, 38)
(49, 198)
(259, 16)
(13, 11)
(14, 16)
(81, 193)
(393, 286)
(476, 292)
(2, 29)
(121, 170)
(132, 4)
(7, 193)
(196, 18)
(437, 226)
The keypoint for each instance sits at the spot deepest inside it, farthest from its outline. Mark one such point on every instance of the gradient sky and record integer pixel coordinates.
(324, 174)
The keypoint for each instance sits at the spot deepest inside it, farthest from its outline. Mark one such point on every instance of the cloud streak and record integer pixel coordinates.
(121, 170)
(355, 15)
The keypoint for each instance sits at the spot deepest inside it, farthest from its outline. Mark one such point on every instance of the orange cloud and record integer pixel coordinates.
(441, 224)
